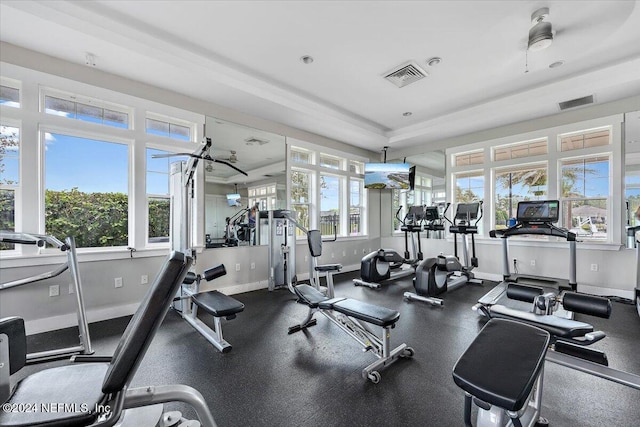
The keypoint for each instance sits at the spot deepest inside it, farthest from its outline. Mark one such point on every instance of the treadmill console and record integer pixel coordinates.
(431, 213)
(538, 211)
(416, 213)
(467, 211)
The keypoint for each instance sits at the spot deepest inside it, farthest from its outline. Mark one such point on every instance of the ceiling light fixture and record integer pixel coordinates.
(407, 114)
(306, 59)
(540, 34)
(432, 62)
(556, 64)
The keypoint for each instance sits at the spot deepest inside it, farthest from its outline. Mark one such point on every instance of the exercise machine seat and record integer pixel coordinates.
(309, 295)
(217, 304)
(374, 314)
(556, 326)
(328, 267)
(501, 365)
(81, 384)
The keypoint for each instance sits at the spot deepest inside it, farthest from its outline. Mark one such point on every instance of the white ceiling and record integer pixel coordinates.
(245, 55)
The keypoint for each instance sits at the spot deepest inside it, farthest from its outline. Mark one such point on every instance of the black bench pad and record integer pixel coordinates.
(375, 314)
(309, 295)
(370, 313)
(502, 363)
(556, 326)
(329, 267)
(217, 304)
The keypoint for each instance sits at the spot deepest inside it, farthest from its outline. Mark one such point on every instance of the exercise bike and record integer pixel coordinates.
(435, 276)
(386, 265)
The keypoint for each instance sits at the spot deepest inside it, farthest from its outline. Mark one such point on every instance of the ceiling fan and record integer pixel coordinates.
(233, 158)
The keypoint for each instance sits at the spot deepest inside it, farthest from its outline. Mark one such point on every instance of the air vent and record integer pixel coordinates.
(578, 102)
(406, 74)
(252, 140)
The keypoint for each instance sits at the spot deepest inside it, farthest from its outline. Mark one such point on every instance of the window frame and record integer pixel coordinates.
(614, 123)
(344, 174)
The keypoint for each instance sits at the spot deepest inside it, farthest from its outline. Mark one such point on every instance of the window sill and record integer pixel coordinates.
(52, 256)
(581, 245)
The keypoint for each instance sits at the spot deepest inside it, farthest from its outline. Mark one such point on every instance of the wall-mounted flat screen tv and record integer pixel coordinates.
(386, 175)
(233, 200)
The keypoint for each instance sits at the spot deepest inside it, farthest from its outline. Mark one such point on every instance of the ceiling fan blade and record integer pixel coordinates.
(231, 166)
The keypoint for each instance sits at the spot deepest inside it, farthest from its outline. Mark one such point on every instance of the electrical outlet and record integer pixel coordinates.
(237, 267)
(118, 282)
(72, 289)
(355, 252)
(533, 263)
(306, 258)
(144, 279)
(344, 253)
(54, 290)
(332, 255)
(364, 251)
(253, 265)
(594, 267)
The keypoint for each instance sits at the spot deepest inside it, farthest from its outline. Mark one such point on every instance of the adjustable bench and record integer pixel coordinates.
(501, 372)
(352, 316)
(570, 339)
(214, 303)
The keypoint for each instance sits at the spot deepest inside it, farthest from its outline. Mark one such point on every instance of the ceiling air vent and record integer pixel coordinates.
(578, 102)
(406, 74)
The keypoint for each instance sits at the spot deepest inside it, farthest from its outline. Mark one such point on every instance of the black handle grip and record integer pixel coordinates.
(214, 272)
(523, 292)
(587, 304)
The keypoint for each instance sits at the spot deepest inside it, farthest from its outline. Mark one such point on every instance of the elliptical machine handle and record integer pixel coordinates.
(481, 213)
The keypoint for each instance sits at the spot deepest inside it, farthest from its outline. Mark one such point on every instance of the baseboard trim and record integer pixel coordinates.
(47, 324)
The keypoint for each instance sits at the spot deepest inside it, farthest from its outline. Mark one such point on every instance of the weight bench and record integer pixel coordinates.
(501, 372)
(570, 339)
(94, 390)
(352, 316)
(214, 303)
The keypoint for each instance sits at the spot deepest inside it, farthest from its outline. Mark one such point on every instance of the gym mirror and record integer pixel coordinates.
(632, 174)
(429, 185)
(230, 195)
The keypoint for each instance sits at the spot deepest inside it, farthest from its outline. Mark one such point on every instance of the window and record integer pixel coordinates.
(158, 187)
(522, 149)
(516, 184)
(86, 190)
(403, 199)
(169, 129)
(469, 187)
(330, 162)
(9, 178)
(585, 196)
(577, 141)
(299, 155)
(470, 158)
(327, 191)
(329, 204)
(301, 198)
(88, 110)
(632, 196)
(356, 204)
(9, 96)
(264, 196)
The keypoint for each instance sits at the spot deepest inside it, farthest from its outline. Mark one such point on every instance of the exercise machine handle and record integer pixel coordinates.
(214, 272)
(523, 292)
(587, 304)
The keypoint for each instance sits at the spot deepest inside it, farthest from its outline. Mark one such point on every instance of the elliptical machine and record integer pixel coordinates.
(385, 265)
(435, 276)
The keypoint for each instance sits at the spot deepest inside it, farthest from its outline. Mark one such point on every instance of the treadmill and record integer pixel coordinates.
(533, 218)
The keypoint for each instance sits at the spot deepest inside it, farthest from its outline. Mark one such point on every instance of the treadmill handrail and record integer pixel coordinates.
(544, 228)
